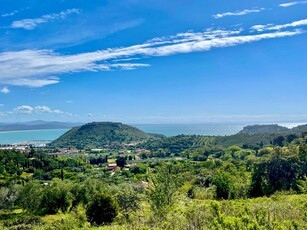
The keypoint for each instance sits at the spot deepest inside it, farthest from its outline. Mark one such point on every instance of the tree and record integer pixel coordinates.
(127, 200)
(279, 141)
(291, 137)
(8, 196)
(163, 186)
(223, 183)
(31, 196)
(121, 162)
(275, 174)
(56, 196)
(102, 210)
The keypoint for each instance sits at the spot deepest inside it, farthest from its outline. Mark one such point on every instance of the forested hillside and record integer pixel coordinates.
(100, 134)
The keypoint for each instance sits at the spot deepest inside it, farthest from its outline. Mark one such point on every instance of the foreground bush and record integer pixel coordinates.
(102, 210)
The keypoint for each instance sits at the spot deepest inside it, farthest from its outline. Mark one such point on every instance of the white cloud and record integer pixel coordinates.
(261, 28)
(10, 14)
(5, 90)
(58, 111)
(24, 109)
(40, 109)
(36, 68)
(238, 13)
(30, 24)
(288, 4)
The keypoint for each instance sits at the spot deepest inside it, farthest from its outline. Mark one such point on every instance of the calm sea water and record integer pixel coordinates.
(12, 137)
(165, 129)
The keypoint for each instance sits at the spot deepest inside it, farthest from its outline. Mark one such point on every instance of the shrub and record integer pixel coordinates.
(128, 201)
(56, 196)
(31, 196)
(102, 210)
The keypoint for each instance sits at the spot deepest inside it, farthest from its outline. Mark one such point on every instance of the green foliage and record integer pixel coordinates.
(56, 196)
(121, 162)
(207, 187)
(165, 146)
(102, 210)
(163, 185)
(223, 183)
(9, 196)
(256, 129)
(302, 185)
(273, 174)
(127, 200)
(31, 196)
(100, 134)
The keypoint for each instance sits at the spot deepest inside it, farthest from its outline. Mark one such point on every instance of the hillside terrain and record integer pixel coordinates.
(256, 129)
(255, 137)
(101, 134)
(244, 181)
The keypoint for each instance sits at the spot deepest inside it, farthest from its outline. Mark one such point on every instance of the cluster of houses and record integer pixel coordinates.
(17, 147)
(24, 146)
(113, 166)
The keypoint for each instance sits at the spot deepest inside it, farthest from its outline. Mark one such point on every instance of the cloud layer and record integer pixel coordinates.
(36, 68)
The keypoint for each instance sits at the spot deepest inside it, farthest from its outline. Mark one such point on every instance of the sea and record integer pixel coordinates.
(210, 129)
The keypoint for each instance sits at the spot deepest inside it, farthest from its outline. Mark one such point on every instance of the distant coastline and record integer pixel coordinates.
(207, 129)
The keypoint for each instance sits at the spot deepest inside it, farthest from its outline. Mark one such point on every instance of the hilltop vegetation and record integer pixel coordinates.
(256, 129)
(253, 137)
(101, 134)
(108, 134)
(111, 135)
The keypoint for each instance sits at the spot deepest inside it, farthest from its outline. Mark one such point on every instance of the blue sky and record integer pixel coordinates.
(153, 61)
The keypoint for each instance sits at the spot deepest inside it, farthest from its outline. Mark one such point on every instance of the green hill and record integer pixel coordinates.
(257, 129)
(299, 129)
(253, 136)
(101, 134)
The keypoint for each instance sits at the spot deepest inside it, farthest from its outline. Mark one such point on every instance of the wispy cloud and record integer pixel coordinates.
(288, 4)
(36, 68)
(5, 90)
(238, 13)
(13, 12)
(261, 28)
(10, 14)
(30, 24)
